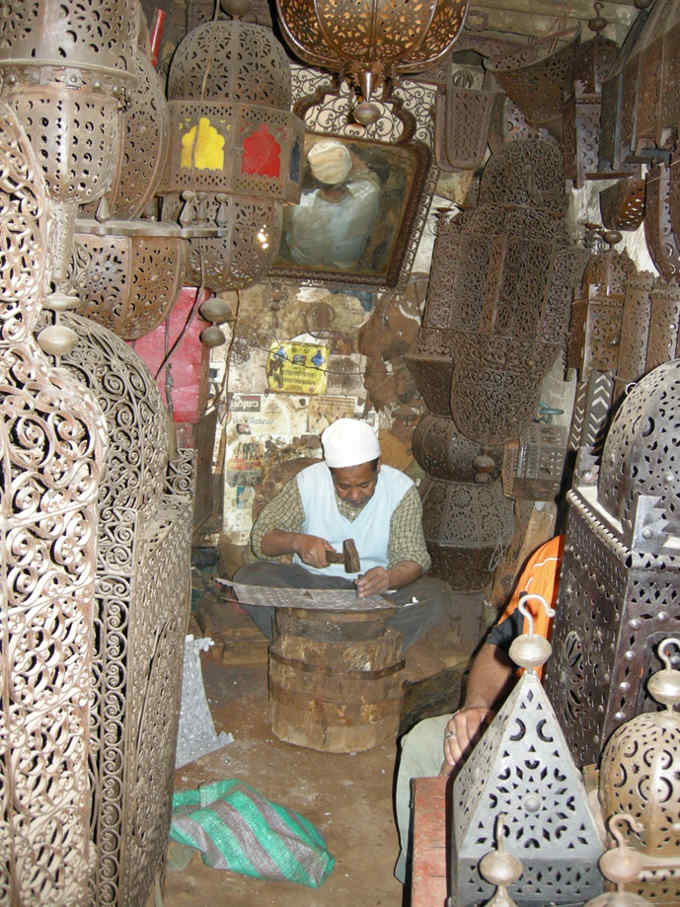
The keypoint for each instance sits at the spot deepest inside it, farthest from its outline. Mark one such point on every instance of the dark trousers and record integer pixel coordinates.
(412, 619)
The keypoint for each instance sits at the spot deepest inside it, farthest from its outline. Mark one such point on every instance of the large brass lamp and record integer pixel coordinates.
(371, 41)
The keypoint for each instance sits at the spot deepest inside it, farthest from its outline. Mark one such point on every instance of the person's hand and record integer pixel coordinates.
(373, 582)
(463, 730)
(312, 550)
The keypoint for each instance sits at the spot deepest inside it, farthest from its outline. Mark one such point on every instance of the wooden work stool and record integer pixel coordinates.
(335, 678)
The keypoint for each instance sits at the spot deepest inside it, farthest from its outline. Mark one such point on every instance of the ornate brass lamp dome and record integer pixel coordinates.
(371, 40)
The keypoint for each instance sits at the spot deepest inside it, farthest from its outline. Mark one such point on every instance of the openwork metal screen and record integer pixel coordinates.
(52, 445)
(620, 579)
(142, 595)
(96, 526)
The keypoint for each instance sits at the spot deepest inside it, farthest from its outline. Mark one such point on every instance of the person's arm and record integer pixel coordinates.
(277, 530)
(309, 548)
(491, 674)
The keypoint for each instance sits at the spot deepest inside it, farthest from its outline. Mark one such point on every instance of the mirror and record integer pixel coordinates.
(359, 202)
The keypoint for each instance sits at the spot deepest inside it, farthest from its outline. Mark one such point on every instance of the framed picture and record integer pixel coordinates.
(358, 207)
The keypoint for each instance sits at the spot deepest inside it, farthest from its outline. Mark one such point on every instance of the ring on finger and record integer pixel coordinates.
(450, 734)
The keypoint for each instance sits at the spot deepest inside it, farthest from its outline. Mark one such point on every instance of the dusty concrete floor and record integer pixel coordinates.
(348, 797)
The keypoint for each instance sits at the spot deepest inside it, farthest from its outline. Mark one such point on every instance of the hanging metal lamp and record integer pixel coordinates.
(371, 41)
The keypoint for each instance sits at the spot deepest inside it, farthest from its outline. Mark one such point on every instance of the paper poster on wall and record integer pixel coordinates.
(323, 410)
(297, 368)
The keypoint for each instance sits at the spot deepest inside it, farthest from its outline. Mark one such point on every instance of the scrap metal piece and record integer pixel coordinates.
(196, 735)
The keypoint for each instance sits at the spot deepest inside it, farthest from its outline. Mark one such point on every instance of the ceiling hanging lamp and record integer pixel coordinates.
(370, 42)
(235, 149)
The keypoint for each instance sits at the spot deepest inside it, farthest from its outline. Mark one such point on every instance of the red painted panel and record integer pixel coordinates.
(188, 360)
(261, 154)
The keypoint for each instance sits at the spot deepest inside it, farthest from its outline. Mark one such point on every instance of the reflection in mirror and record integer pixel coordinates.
(358, 205)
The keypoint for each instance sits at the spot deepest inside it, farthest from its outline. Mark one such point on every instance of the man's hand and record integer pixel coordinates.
(373, 582)
(463, 730)
(312, 550)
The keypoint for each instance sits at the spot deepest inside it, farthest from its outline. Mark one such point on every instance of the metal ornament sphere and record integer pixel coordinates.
(371, 40)
(639, 776)
(57, 339)
(213, 336)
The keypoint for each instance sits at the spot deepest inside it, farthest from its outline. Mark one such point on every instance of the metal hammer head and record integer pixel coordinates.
(349, 550)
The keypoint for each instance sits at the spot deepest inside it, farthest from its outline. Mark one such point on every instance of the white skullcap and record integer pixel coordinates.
(349, 442)
(329, 161)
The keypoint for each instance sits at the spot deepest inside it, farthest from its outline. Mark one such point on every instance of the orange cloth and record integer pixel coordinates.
(540, 576)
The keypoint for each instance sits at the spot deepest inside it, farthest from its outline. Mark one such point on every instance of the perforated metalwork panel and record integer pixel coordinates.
(614, 606)
(128, 279)
(640, 452)
(142, 606)
(521, 768)
(52, 450)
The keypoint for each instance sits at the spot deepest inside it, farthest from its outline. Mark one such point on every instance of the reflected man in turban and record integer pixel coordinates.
(349, 494)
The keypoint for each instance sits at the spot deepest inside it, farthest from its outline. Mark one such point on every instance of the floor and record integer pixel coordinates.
(348, 797)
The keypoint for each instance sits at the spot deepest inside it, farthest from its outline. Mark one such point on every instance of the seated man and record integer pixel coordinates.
(438, 745)
(350, 494)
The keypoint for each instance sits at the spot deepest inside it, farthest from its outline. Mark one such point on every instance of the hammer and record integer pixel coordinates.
(349, 557)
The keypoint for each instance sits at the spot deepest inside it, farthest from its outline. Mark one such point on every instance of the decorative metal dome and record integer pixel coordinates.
(231, 59)
(640, 455)
(371, 40)
(128, 273)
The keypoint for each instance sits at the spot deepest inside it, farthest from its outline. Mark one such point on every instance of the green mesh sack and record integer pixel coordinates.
(236, 828)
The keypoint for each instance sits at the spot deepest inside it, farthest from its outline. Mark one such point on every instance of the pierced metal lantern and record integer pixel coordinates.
(65, 68)
(498, 302)
(620, 572)
(371, 41)
(635, 326)
(466, 524)
(143, 148)
(231, 240)
(445, 454)
(597, 312)
(463, 116)
(142, 600)
(53, 448)
(640, 774)
(235, 149)
(128, 273)
(662, 242)
(664, 323)
(580, 137)
(522, 768)
(537, 82)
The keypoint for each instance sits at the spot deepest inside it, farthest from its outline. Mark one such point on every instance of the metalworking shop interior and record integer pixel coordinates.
(340, 453)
